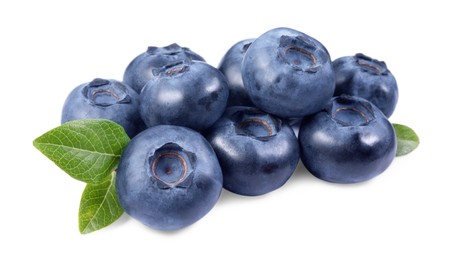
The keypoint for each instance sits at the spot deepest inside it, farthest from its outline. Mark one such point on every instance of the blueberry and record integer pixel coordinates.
(368, 78)
(191, 94)
(230, 66)
(140, 69)
(258, 152)
(168, 177)
(349, 141)
(107, 99)
(288, 73)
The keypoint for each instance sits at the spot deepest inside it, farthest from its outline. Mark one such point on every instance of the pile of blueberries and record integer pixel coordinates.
(243, 126)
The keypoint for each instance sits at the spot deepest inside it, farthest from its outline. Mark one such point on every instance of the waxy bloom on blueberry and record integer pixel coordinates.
(168, 177)
(368, 78)
(140, 69)
(288, 73)
(106, 99)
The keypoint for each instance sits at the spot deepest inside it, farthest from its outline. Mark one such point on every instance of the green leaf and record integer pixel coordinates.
(407, 139)
(86, 149)
(99, 206)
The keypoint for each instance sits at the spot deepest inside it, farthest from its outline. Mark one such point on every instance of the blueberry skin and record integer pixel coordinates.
(140, 69)
(187, 186)
(230, 66)
(288, 73)
(106, 99)
(295, 124)
(258, 152)
(190, 94)
(368, 78)
(349, 141)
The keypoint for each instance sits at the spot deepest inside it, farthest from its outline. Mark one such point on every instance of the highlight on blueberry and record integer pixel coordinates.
(349, 141)
(258, 152)
(191, 94)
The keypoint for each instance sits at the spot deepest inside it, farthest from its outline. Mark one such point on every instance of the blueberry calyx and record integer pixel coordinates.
(97, 82)
(369, 65)
(299, 53)
(350, 111)
(245, 47)
(172, 49)
(171, 166)
(104, 93)
(173, 69)
(256, 124)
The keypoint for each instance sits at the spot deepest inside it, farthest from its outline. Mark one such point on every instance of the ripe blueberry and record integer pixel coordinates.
(288, 73)
(140, 69)
(107, 99)
(349, 141)
(190, 94)
(368, 78)
(168, 177)
(258, 152)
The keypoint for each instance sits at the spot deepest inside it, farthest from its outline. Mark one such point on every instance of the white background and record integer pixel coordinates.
(49, 47)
